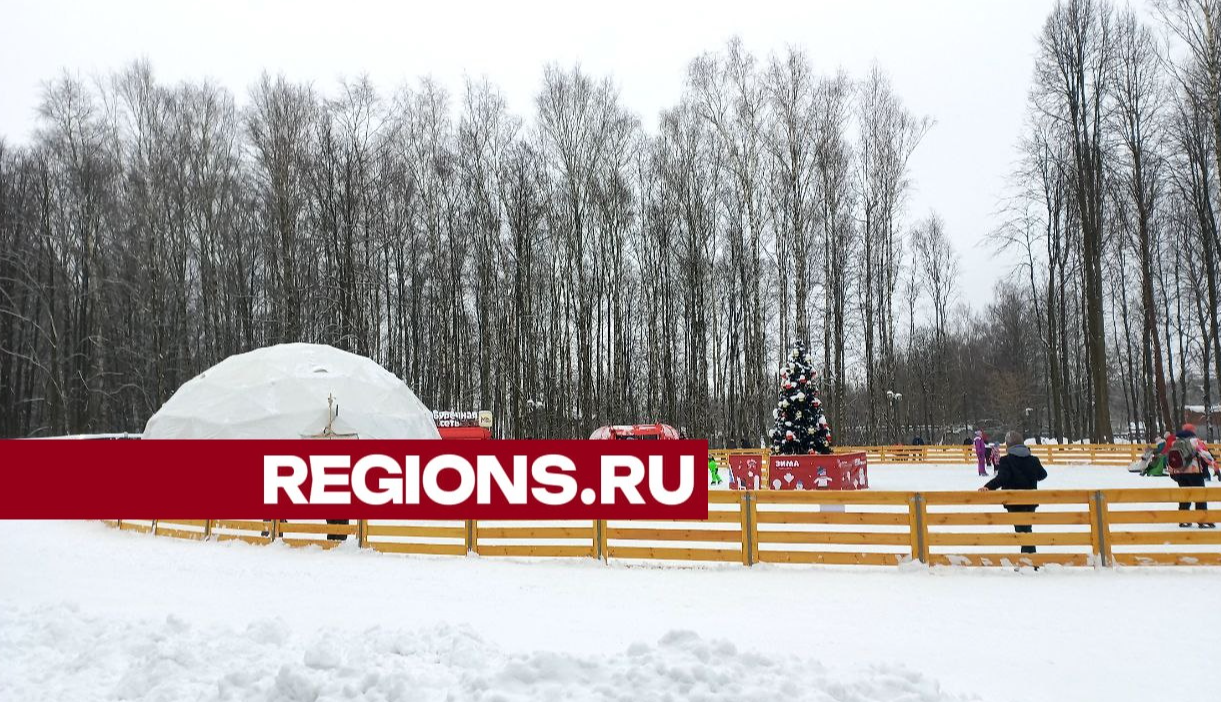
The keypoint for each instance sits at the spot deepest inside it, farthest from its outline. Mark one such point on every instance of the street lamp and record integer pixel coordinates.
(894, 398)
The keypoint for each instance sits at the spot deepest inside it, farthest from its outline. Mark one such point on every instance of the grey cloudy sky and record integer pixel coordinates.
(966, 63)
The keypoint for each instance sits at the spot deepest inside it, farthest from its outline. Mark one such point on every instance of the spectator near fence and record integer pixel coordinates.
(1018, 469)
(1187, 464)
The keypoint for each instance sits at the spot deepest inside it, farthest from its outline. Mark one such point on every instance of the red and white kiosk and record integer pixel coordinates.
(636, 432)
(473, 425)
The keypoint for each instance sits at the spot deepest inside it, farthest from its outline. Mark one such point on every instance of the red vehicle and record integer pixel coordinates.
(636, 431)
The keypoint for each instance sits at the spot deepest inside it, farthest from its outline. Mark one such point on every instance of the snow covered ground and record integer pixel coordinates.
(89, 613)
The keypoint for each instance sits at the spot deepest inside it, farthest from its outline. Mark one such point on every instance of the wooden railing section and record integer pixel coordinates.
(1049, 454)
(1070, 527)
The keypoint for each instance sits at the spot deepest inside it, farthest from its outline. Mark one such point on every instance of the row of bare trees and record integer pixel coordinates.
(574, 269)
(1114, 215)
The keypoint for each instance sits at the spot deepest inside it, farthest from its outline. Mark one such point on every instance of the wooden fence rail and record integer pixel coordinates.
(1049, 454)
(1128, 527)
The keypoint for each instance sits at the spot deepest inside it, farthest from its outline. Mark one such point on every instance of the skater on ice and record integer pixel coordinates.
(1187, 463)
(1018, 470)
(981, 452)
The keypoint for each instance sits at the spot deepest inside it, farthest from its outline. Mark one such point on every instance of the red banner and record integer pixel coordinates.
(839, 471)
(72, 479)
(746, 472)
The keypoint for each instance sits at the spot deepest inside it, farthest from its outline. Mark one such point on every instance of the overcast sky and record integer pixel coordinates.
(966, 63)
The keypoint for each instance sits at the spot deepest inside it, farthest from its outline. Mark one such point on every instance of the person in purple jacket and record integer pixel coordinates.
(981, 451)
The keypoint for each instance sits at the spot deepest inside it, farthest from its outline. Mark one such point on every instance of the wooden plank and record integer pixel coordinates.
(860, 538)
(183, 522)
(832, 557)
(854, 537)
(535, 533)
(708, 535)
(675, 554)
(324, 544)
(724, 497)
(869, 518)
(419, 549)
(243, 525)
(139, 528)
(1008, 497)
(1008, 539)
(455, 532)
(179, 533)
(834, 497)
(1009, 560)
(1162, 559)
(1163, 495)
(301, 528)
(1169, 516)
(718, 517)
(1005, 518)
(1177, 537)
(536, 551)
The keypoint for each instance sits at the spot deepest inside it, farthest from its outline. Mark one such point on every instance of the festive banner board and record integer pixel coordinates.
(840, 471)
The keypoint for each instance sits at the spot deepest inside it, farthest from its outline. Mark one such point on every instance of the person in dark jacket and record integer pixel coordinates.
(1017, 470)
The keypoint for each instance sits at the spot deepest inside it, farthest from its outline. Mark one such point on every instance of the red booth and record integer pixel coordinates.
(468, 426)
(636, 431)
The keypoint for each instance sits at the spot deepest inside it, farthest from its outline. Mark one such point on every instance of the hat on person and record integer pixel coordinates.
(1189, 427)
(1014, 438)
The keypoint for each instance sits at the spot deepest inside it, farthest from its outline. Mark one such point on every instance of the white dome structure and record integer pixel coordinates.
(293, 391)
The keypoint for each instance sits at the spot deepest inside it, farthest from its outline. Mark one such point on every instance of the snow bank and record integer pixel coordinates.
(60, 653)
(88, 613)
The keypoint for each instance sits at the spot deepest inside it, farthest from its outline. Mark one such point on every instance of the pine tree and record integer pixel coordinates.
(801, 427)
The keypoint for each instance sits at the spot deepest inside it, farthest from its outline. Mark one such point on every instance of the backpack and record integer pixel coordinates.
(1181, 459)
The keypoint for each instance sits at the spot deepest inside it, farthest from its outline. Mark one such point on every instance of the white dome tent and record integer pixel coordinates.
(293, 391)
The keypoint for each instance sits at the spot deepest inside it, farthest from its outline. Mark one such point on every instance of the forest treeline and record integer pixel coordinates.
(570, 268)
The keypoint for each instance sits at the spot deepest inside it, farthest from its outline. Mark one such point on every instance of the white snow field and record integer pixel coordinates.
(90, 613)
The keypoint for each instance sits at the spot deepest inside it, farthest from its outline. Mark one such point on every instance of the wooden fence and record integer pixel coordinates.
(1070, 527)
(1049, 454)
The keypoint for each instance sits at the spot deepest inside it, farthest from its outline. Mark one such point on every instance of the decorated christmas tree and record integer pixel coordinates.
(801, 427)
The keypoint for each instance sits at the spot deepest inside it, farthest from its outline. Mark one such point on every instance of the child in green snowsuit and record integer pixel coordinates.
(714, 469)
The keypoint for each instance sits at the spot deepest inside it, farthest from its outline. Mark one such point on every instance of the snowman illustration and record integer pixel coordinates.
(823, 481)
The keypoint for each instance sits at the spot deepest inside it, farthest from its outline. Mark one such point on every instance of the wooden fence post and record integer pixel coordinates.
(1100, 528)
(472, 536)
(207, 529)
(362, 533)
(916, 513)
(275, 530)
(600, 548)
(154, 530)
(750, 534)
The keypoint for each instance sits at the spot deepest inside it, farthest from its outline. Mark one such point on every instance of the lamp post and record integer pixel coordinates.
(894, 398)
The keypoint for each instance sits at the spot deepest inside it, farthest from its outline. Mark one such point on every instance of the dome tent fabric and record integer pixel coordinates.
(281, 392)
